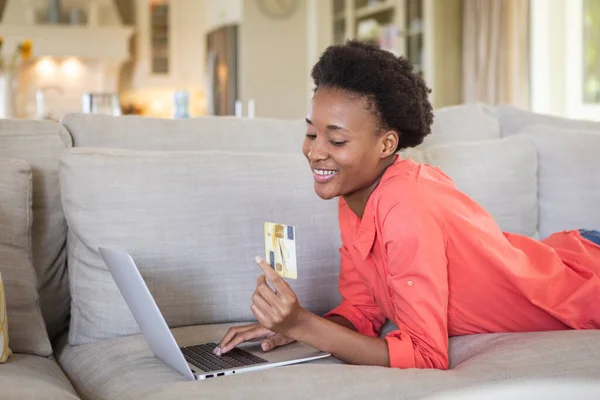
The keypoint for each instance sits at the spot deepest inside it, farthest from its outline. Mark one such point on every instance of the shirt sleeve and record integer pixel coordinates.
(358, 305)
(414, 242)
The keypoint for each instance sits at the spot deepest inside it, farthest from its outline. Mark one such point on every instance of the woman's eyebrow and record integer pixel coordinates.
(330, 127)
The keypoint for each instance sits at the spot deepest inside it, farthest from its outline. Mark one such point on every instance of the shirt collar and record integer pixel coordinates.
(365, 235)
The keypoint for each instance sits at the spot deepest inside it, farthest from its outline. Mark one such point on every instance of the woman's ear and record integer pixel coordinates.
(390, 143)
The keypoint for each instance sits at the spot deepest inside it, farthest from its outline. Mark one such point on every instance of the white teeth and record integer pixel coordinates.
(324, 172)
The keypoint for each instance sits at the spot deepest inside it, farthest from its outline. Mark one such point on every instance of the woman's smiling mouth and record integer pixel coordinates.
(323, 175)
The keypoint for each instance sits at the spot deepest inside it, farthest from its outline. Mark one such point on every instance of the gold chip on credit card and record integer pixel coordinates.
(280, 249)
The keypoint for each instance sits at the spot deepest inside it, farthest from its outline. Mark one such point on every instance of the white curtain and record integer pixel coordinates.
(496, 52)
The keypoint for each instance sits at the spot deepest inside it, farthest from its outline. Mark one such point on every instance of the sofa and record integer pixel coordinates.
(188, 198)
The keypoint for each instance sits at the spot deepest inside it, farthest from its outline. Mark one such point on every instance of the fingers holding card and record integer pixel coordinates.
(280, 249)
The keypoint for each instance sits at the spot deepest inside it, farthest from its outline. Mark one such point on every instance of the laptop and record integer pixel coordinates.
(194, 362)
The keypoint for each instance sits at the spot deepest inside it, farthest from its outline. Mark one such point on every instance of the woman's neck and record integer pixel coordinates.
(357, 201)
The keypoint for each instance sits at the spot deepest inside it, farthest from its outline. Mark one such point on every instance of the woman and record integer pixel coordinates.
(415, 249)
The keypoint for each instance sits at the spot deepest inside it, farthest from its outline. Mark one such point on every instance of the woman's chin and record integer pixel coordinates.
(324, 192)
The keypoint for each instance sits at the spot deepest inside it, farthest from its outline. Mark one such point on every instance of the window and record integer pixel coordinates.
(581, 56)
(591, 51)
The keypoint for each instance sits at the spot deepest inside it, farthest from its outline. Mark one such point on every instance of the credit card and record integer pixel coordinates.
(280, 249)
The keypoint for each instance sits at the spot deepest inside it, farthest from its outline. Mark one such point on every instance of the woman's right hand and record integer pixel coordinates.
(251, 333)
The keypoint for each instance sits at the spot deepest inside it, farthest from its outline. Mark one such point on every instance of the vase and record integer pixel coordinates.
(7, 95)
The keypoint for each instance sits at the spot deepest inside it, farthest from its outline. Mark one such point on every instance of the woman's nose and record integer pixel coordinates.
(317, 151)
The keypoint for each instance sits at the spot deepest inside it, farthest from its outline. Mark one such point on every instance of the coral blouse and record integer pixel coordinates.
(429, 258)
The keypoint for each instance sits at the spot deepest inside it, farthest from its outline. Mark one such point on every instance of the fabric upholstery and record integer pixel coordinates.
(193, 221)
(203, 133)
(125, 368)
(27, 333)
(34, 378)
(526, 389)
(568, 177)
(514, 120)
(500, 174)
(450, 124)
(40, 143)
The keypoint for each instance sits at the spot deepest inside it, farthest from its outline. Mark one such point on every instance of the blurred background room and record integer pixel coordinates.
(191, 58)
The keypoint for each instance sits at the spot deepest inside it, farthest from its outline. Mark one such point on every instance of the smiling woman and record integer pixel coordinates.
(359, 119)
(415, 249)
(346, 152)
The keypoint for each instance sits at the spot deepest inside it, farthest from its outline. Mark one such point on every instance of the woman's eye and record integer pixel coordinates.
(338, 144)
(311, 136)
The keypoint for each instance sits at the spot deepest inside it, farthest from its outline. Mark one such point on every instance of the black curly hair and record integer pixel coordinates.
(394, 92)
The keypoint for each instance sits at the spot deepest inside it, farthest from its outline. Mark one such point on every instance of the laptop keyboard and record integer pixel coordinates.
(202, 357)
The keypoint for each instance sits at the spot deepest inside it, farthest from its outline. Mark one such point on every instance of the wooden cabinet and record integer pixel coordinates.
(427, 32)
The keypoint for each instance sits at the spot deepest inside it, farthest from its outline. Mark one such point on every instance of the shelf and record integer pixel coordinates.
(58, 40)
(369, 11)
(426, 32)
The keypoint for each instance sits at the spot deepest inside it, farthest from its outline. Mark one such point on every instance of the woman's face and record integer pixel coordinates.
(342, 144)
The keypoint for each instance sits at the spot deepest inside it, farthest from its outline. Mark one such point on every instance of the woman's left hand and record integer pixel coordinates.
(277, 310)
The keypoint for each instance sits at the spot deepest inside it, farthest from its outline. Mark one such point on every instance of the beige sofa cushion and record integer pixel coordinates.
(34, 378)
(569, 178)
(263, 135)
(40, 143)
(193, 221)
(135, 373)
(514, 120)
(501, 175)
(527, 389)
(27, 332)
(4, 349)
(450, 124)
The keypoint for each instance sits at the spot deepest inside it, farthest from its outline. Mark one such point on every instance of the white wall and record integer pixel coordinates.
(273, 62)
(319, 35)
(222, 12)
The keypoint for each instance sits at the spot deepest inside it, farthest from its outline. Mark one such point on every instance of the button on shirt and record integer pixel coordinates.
(429, 258)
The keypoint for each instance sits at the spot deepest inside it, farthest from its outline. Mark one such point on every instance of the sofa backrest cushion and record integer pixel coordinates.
(500, 174)
(40, 144)
(514, 120)
(569, 178)
(463, 123)
(193, 222)
(27, 333)
(262, 135)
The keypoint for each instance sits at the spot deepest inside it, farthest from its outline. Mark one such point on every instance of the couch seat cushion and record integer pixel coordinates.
(125, 368)
(527, 389)
(31, 377)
